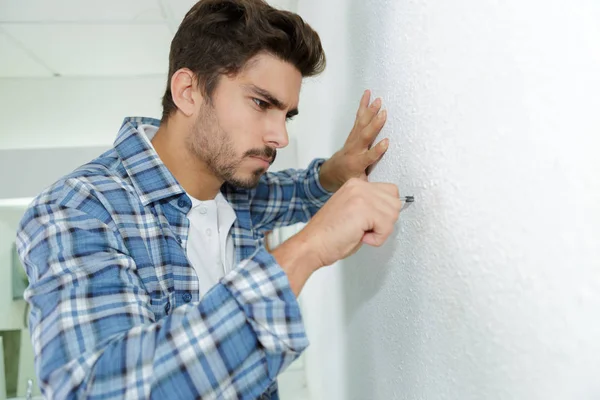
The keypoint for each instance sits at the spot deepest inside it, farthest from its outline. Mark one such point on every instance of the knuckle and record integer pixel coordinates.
(353, 182)
(392, 190)
(361, 124)
(358, 202)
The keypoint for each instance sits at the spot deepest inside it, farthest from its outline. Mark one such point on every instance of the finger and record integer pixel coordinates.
(382, 203)
(387, 207)
(358, 188)
(371, 239)
(364, 103)
(368, 114)
(378, 236)
(375, 153)
(384, 187)
(384, 217)
(370, 131)
(370, 168)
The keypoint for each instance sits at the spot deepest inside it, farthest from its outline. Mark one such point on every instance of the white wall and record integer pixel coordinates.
(491, 289)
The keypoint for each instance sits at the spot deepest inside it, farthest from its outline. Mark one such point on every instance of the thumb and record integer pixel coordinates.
(376, 152)
(372, 238)
(373, 155)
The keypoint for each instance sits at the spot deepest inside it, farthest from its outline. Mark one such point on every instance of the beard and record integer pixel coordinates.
(215, 148)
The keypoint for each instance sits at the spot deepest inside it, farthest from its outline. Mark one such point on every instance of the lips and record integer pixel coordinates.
(267, 160)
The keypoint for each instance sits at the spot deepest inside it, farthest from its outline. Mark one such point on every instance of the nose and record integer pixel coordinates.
(277, 137)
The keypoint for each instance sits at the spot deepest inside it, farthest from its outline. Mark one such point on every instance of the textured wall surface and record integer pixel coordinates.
(491, 287)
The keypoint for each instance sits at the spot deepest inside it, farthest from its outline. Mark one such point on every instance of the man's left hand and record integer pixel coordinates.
(358, 153)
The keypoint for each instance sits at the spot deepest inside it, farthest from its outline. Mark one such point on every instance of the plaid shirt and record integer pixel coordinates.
(115, 310)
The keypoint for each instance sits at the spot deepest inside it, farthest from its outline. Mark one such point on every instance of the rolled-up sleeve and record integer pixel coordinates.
(287, 197)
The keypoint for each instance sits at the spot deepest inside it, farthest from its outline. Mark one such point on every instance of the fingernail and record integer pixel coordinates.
(377, 102)
(384, 143)
(382, 114)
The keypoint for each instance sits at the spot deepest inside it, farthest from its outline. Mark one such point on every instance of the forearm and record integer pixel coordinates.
(298, 261)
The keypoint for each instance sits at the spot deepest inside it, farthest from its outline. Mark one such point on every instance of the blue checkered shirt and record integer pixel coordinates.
(115, 309)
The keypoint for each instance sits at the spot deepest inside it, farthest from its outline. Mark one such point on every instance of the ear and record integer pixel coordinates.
(184, 89)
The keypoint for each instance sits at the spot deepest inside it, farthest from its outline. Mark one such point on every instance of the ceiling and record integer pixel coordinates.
(46, 38)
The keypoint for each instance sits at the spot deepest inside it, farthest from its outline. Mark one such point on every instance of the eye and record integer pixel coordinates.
(260, 103)
(289, 118)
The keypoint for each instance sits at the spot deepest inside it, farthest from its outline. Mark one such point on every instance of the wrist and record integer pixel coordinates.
(327, 176)
(298, 260)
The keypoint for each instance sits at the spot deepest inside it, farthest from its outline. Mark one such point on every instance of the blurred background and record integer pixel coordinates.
(490, 288)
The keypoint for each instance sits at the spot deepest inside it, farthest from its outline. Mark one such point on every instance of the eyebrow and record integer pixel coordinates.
(271, 99)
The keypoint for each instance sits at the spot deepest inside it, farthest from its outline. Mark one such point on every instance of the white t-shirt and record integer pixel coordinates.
(209, 245)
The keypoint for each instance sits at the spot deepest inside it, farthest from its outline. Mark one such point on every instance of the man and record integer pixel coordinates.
(148, 274)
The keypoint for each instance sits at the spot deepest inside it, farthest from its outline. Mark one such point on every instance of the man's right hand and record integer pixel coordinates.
(359, 212)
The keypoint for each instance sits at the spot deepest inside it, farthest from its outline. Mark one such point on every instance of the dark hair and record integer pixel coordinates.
(218, 37)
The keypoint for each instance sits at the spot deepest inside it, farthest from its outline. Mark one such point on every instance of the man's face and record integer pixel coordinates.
(237, 135)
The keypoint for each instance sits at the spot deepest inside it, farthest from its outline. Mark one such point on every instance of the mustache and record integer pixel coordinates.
(268, 153)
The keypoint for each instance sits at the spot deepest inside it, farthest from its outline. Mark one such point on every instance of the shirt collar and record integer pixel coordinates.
(150, 177)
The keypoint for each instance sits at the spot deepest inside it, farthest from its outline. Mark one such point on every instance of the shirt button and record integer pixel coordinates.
(202, 210)
(208, 232)
(187, 297)
(181, 202)
(178, 239)
(167, 307)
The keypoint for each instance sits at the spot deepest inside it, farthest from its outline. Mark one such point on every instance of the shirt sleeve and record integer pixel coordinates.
(287, 197)
(95, 336)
